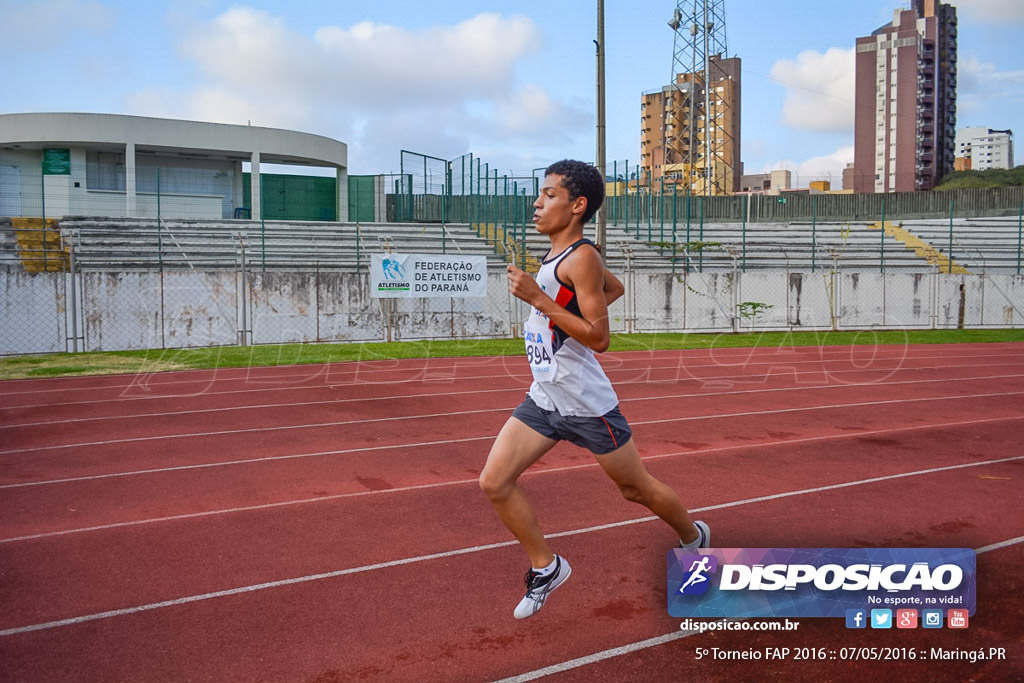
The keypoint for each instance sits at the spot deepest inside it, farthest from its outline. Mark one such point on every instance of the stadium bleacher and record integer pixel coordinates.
(979, 244)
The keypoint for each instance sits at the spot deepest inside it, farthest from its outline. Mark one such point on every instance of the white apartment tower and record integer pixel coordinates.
(985, 148)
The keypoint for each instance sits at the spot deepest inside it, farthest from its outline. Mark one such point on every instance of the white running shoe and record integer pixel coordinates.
(704, 532)
(538, 587)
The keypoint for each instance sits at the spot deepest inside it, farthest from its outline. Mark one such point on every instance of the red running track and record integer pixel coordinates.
(323, 523)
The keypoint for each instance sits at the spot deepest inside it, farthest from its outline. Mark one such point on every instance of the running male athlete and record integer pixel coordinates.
(571, 397)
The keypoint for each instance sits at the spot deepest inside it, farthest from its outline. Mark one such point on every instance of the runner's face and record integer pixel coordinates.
(553, 209)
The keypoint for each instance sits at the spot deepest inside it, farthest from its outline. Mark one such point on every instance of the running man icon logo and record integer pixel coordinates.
(696, 580)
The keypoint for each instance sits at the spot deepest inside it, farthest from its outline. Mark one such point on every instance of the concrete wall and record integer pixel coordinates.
(149, 310)
(32, 312)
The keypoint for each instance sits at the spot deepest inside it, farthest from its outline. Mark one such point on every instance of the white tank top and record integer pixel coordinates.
(566, 376)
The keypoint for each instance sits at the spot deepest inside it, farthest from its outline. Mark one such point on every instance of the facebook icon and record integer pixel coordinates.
(856, 618)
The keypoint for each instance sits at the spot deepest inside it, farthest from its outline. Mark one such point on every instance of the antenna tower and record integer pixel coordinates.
(701, 102)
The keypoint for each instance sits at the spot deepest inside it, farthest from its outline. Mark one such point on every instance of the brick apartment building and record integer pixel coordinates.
(905, 124)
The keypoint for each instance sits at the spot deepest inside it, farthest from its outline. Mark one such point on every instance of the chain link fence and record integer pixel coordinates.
(727, 298)
(172, 277)
(246, 287)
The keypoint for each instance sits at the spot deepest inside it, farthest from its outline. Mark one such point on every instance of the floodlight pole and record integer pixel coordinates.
(602, 219)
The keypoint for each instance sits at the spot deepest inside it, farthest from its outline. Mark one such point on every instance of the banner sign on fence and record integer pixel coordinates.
(427, 275)
(817, 582)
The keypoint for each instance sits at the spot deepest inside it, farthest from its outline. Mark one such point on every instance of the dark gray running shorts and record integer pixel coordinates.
(599, 435)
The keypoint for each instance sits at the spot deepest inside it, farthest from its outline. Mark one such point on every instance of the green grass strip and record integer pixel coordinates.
(159, 360)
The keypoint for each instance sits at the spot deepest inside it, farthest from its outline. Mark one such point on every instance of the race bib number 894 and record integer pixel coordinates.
(538, 350)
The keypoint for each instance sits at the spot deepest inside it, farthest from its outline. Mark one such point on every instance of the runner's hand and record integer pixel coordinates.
(523, 286)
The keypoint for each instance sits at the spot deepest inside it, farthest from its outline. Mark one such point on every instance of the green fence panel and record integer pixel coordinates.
(294, 197)
(361, 198)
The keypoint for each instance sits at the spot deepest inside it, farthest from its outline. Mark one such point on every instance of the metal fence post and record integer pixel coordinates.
(744, 206)
(675, 193)
(949, 268)
(159, 225)
(661, 210)
(638, 178)
(515, 216)
(1020, 215)
(814, 234)
(504, 208)
(650, 205)
(263, 226)
(523, 243)
(882, 264)
(687, 216)
(242, 300)
(626, 205)
(615, 195)
(700, 255)
(73, 303)
(42, 199)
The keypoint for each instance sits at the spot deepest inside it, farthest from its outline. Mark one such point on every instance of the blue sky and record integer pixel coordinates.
(512, 83)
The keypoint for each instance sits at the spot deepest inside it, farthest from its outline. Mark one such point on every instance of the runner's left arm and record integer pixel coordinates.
(613, 287)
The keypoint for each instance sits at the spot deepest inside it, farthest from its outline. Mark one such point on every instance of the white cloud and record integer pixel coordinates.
(825, 167)
(44, 24)
(970, 74)
(979, 83)
(366, 67)
(439, 90)
(819, 90)
(990, 11)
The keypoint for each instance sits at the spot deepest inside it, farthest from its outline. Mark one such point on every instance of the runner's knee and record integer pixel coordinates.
(633, 494)
(495, 487)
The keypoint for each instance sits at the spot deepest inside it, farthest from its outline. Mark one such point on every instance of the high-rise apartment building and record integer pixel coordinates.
(690, 130)
(984, 148)
(905, 123)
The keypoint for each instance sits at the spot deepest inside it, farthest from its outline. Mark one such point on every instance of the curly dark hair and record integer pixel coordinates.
(581, 180)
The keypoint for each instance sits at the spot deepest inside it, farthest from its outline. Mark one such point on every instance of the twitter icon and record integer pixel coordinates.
(881, 618)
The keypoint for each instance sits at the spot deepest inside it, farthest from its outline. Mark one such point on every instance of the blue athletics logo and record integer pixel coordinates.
(393, 270)
(697, 568)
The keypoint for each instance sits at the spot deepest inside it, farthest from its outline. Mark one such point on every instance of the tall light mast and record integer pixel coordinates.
(699, 104)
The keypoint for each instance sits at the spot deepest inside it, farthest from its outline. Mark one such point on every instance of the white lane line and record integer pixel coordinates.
(465, 551)
(826, 407)
(531, 472)
(248, 589)
(521, 386)
(999, 546)
(597, 657)
(338, 368)
(320, 425)
(562, 667)
(295, 456)
(340, 401)
(515, 372)
(518, 374)
(266, 406)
